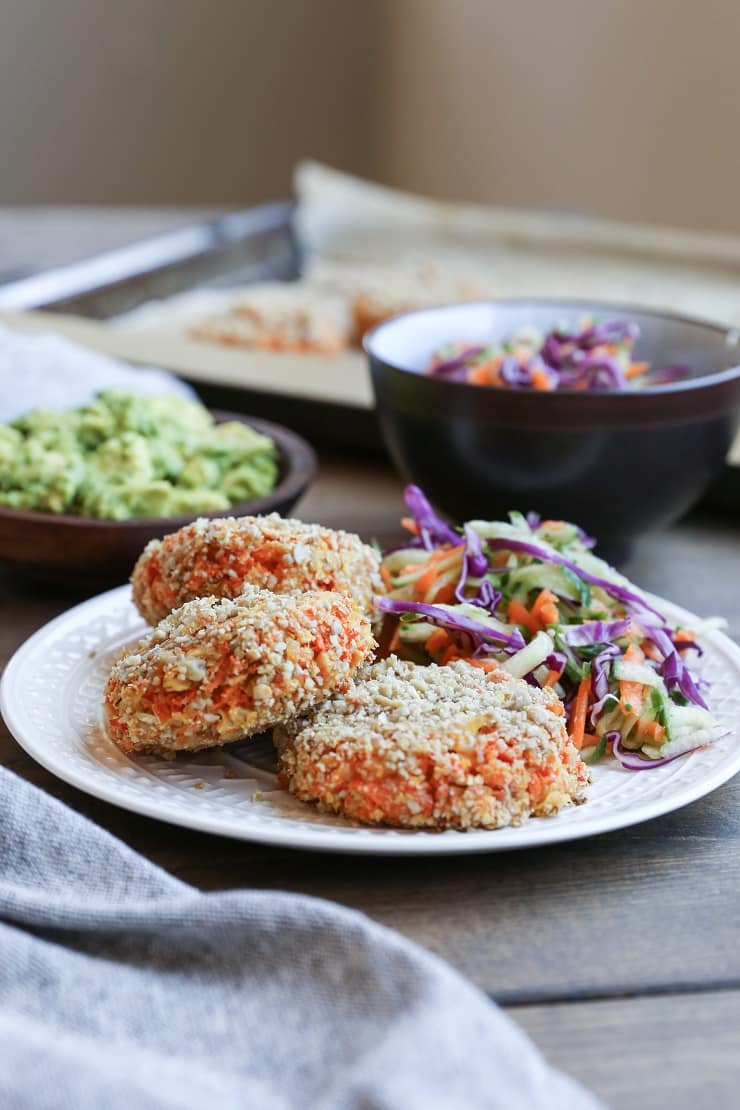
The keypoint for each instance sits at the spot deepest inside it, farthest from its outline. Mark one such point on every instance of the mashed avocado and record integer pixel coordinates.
(127, 455)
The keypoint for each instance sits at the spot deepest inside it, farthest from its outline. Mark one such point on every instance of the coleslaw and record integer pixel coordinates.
(529, 595)
(590, 357)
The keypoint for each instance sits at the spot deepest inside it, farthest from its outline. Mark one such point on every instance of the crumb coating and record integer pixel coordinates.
(218, 669)
(218, 558)
(434, 747)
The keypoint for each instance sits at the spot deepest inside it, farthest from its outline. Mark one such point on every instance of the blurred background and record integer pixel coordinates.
(602, 107)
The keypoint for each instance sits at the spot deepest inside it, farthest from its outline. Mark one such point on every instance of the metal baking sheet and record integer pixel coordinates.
(257, 244)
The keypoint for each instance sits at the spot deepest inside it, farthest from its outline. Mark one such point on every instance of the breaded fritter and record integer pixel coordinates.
(218, 558)
(434, 747)
(220, 669)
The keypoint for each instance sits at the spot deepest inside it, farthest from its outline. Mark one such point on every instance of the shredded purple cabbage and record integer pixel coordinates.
(600, 672)
(475, 565)
(571, 359)
(476, 560)
(515, 373)
(677, 677)
(432, 529)
(456, 622)
(488, 597)
(595, 632)
(609, 331)
(675, 673)
(457, 362)
(602, 372)
(600, 667)
(556, 661)
(552, 351)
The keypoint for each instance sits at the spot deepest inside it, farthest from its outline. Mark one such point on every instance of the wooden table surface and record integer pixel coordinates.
(617, 954)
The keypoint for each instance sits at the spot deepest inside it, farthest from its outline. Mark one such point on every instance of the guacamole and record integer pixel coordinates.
(128, 455)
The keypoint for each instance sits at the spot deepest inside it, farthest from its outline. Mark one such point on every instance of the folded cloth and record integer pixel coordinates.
(53, 371)
(121, 987)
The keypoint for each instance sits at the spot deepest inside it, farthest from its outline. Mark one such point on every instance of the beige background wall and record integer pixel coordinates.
(626, 108)
(169, 101)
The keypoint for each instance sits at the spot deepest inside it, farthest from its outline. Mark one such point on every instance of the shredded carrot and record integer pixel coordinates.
(410, 525)
(578, 712)
(545, 610)
(536, 788)
(480, 375)
(395, 639)
(495, 674)
(654, 731)
(425, 581)
(541, 380)
(437, 640)
(487, 373)
(630, 697)
(445, 595)
(518, 614)
(444, 552)
(385, 574)
(451, 653)
(635, 369)
(484, 664)
(631, 693)
(684, 636)
(552, 677)
(549, 614)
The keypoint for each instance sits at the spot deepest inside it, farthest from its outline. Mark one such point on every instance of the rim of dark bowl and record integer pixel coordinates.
(688, 385)
(298, 464)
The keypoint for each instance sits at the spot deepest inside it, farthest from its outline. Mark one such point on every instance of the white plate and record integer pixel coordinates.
(51, 699)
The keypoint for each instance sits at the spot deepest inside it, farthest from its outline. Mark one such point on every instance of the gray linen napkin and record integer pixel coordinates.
(123, 988)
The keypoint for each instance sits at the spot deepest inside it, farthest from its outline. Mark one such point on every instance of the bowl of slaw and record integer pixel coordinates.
(624, 441)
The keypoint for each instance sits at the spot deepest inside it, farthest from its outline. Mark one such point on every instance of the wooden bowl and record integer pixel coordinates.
(86, 554)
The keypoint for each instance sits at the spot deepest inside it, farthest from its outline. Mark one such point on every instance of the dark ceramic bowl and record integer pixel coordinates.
(82, 553)
(617, 463)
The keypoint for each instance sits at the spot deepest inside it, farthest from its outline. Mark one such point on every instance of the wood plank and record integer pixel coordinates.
(648, 1053)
